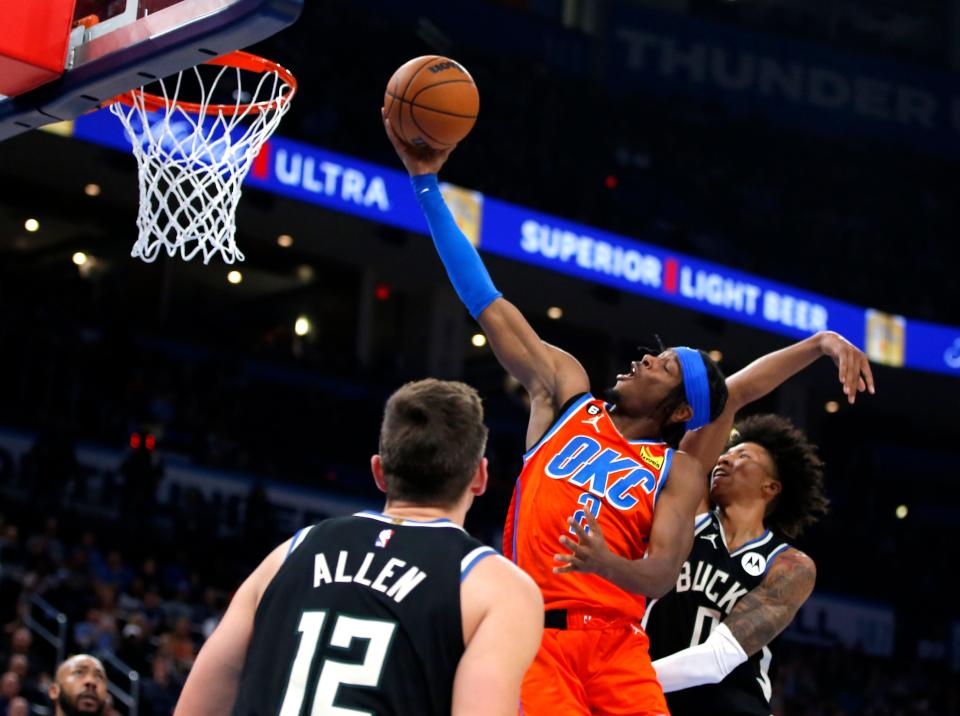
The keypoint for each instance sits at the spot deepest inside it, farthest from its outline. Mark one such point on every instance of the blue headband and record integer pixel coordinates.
(696, 385)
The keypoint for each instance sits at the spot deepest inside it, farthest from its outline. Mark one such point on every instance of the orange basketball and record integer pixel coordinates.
(432, 101)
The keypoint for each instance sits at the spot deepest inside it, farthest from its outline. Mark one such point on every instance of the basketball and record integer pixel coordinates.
(431, 101)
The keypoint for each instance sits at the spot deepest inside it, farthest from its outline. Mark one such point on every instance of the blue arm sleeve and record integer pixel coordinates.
(464, 266)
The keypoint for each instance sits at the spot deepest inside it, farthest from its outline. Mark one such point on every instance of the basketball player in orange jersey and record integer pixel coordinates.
(586, 456)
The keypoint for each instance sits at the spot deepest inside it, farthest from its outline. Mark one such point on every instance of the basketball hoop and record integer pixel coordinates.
(192, 157)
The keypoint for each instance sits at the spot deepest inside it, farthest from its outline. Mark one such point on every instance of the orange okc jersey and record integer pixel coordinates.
(584, 464)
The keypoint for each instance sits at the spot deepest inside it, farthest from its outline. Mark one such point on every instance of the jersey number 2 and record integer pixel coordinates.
(333, 673)
(591, 504)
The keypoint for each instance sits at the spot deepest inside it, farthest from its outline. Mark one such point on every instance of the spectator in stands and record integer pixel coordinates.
(20, 665)
(153, 613)
(160, 691)
(18, 706)
(150, 574)
(9, 689)
(21, 642)
(97, 632)
(115, 572)
(48, 542)
(133, 644)
(94, 556)
(80, 687)
(209, 614)
(181, 644)
(11, 553)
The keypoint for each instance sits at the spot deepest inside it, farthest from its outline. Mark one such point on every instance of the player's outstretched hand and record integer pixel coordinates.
(854, 367)
(589, 554)
(417, 160)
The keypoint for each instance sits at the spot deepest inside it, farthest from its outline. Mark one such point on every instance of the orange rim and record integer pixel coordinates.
(238, 59)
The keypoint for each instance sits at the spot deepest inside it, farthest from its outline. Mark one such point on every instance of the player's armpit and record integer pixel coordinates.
(211, 688)
(503, 642)
(769, 608)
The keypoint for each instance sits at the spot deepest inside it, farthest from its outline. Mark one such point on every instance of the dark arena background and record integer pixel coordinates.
(758, 170)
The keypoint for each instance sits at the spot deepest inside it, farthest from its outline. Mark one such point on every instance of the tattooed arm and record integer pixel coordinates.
(763, 613)
(756, 620)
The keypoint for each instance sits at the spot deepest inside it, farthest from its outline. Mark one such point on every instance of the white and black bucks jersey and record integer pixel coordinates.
(363, 617)
(711, 582)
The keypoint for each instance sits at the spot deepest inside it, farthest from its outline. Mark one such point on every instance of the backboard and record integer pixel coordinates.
(114, 46)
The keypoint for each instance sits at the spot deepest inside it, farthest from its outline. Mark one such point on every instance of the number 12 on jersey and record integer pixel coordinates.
(334, 673)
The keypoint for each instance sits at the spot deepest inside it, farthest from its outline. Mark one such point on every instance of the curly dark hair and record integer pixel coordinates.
(802, 501)
(672, 434)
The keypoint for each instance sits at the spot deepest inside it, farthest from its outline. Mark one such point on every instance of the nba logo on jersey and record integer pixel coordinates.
(383, 538)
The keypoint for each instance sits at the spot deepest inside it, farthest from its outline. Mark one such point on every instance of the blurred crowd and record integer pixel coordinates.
(150, 613)
(839, 682)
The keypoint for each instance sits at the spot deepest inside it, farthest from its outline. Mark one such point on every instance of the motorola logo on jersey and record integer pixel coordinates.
(583, 463)
(754, 564)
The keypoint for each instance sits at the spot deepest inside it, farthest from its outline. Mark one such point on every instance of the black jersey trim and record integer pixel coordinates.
(566, 412)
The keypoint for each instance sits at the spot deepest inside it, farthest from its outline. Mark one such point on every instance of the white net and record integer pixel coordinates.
(192, 159)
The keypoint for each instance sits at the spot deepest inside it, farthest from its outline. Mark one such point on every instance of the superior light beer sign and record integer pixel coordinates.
(346, 184)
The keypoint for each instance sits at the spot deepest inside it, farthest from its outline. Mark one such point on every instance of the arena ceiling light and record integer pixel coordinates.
(716, 355)
(234, 277)
(31, 225)
(285, 241)
(555, 312)
(92, 190)
(305, 273)
(80, 258)
(302, 326)
(832, 406)
(478, 340)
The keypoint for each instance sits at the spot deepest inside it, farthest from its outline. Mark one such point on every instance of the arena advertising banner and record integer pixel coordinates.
(353, 186)
(794, 83)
